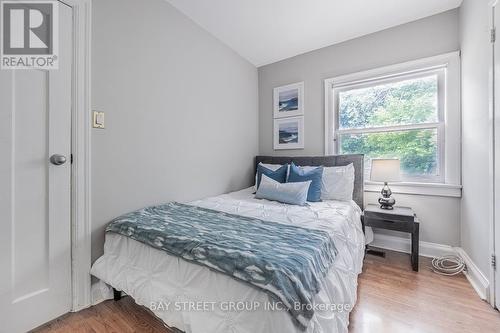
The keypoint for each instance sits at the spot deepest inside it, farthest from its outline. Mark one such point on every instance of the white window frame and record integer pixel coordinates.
(437, 125)
(449, 116)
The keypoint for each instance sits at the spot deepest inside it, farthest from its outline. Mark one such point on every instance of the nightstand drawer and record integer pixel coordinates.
(390, 224)
(398, 214)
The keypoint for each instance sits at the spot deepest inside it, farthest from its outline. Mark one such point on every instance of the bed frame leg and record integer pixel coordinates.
(117, 295)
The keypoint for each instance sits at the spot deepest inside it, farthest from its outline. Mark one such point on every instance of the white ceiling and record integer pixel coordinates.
(266, 31)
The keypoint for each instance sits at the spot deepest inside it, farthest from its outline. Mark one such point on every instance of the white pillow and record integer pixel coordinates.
(290, 193)
(337, 182)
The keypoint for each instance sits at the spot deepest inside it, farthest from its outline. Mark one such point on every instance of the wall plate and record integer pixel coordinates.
(98, 119)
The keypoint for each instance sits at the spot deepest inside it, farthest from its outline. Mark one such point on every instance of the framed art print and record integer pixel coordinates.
(289, 133)
(289, 100)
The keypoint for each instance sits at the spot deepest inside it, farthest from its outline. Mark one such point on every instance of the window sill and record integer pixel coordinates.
(429, 189)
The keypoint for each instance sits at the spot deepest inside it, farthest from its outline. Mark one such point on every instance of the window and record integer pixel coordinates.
(398, 112)
(398, 118)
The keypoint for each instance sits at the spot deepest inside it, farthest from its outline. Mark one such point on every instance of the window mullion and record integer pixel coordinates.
(388, 128)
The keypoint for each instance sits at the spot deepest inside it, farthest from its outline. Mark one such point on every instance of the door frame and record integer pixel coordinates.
(81, 154)
(494, 114)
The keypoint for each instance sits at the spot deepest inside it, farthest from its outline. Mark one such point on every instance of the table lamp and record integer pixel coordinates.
(385, 170)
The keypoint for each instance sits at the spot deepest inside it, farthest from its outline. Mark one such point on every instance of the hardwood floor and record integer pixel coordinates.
(391, 299)
(123, 316)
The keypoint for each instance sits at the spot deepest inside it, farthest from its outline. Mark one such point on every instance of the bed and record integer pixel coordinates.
(194, 298)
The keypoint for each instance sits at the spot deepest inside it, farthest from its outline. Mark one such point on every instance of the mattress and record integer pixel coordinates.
(194, 298)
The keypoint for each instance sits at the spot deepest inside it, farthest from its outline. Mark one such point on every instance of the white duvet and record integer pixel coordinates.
(196, 299)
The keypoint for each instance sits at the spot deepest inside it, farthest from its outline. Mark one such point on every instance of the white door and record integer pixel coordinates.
(35, 240)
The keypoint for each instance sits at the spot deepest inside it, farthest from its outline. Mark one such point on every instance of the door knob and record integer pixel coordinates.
(57, 159)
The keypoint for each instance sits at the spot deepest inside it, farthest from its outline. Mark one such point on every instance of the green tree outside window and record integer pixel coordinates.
(407, 102)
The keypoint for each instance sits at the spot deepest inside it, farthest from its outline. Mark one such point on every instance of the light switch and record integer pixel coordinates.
(98, 119)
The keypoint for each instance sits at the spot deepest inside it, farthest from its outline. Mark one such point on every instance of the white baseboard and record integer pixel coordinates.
(399, 244)
(476, 278)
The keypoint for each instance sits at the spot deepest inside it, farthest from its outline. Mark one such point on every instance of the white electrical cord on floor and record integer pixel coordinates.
(448, 265)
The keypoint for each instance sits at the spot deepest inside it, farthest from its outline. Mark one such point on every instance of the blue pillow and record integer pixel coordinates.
(290, 193)
(278, 175)
(315, 176)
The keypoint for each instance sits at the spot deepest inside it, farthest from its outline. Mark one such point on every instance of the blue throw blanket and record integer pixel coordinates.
(288, 262)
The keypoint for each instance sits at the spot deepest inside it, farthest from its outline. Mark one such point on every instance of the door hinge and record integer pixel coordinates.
(493, 36)
(71, 158)
(494, 261)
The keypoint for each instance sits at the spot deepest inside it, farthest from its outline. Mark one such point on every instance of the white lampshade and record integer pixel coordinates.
(385, 170)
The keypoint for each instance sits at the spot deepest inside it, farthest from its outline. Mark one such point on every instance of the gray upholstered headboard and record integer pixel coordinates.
(327, 161)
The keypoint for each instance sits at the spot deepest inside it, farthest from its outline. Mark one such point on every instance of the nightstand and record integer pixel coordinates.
(399, 219)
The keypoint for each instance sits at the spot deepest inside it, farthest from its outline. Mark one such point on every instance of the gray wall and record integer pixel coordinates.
(181, 111)
(476, 135)
(423, 38)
